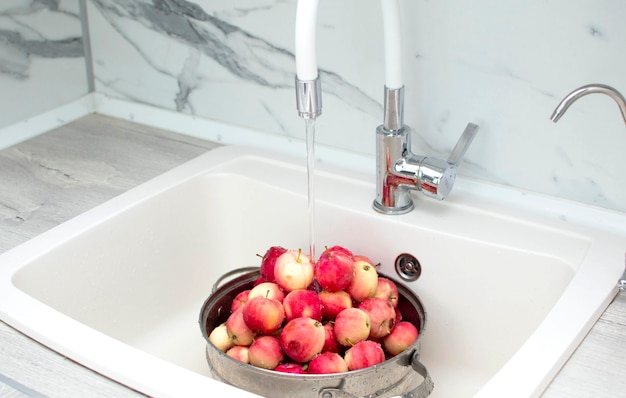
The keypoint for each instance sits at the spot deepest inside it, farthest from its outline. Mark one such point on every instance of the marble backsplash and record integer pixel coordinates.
(42, 58)
(502, 65)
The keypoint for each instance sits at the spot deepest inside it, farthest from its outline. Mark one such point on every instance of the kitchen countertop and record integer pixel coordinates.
(53, 177)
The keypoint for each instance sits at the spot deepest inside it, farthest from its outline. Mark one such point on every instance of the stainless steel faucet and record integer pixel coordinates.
(570, 99)
(398, 170)
(589, 89)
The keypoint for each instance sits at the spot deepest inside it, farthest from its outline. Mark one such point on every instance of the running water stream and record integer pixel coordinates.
(310, 159)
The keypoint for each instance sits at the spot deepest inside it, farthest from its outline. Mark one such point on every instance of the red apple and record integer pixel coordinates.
(240, 353)
(302, 338)
(268, 262)
(401, 337)
(263, 315)
(341, 249)
(365, 281)
(293, 270)
(327, 362)
(382, 316)
(330, 341)
(291, 367)
(388, 290)
(334, 270)
(302, 303)
(334, 302)
(238, 329)
(239, 301)
(352, 325)
(220, 339)
(265, 352)
(268, 290)
(364, 354)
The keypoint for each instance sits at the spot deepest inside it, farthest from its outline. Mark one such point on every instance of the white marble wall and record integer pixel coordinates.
(42, 62)
(503, 65)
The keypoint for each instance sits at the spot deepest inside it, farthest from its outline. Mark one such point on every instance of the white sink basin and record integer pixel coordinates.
(509, 292)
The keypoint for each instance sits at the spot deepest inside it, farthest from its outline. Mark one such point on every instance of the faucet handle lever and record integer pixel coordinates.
(436, 176)
(456, 157)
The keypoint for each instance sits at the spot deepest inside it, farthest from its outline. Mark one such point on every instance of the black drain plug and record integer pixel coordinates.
(408, 267)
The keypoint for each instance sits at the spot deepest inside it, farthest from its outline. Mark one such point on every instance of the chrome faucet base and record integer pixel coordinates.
(392, 210)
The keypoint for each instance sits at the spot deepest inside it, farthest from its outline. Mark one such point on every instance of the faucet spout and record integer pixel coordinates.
(308, 84)
(570, 98)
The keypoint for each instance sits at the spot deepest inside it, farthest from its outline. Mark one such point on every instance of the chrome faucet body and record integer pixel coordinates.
(569, 99)
(398, 170)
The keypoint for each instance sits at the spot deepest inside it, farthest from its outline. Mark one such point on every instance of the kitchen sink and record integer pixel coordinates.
(510, 288)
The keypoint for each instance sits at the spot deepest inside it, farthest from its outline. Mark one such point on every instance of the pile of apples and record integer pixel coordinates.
(331, 316)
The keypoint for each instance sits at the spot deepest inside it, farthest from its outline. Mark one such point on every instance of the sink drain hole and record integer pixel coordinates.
(407, 267)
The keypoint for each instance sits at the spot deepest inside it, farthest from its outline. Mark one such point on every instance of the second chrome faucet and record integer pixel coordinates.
(589, 89)
(570, 99)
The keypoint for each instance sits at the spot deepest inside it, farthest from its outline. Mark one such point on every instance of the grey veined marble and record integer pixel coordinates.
(42, 57)
(243, 54)
(23, 36)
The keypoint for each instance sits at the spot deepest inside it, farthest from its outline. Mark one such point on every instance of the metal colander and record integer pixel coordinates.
(403, 375)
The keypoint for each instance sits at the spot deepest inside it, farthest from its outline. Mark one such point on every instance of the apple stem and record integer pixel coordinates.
(298, 258)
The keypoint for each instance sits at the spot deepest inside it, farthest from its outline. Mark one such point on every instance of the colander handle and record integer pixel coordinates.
(427, 385)
(227, 275)
(421, 391)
